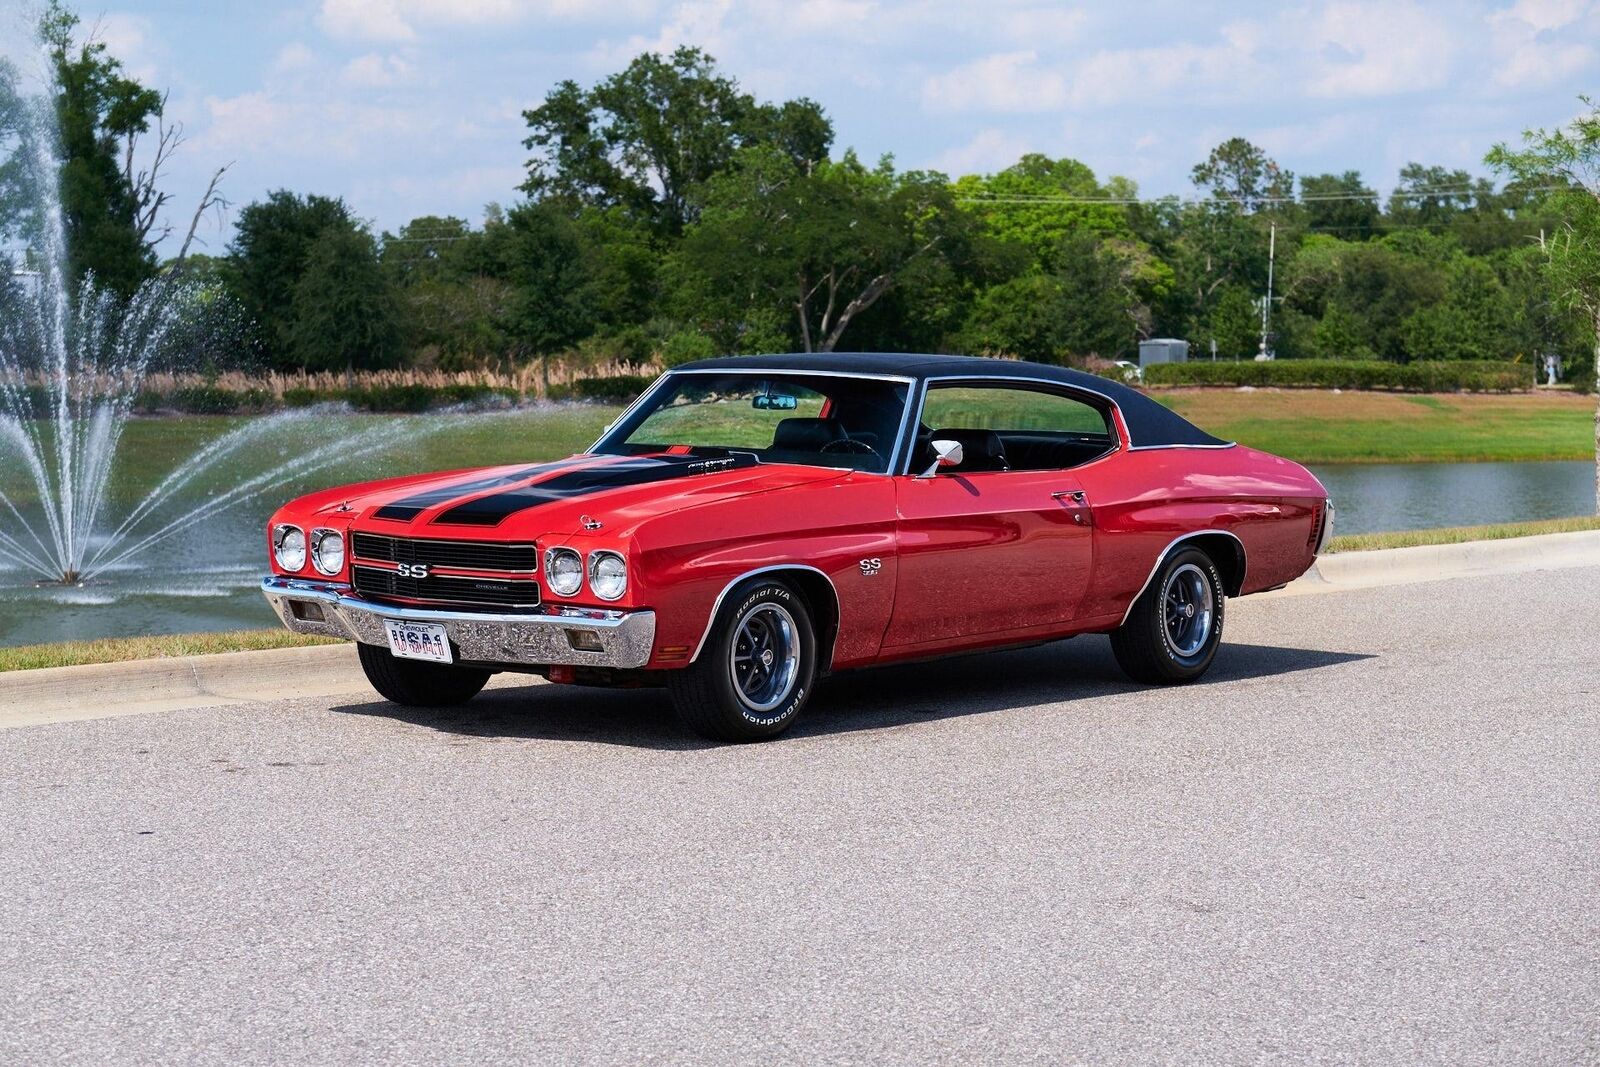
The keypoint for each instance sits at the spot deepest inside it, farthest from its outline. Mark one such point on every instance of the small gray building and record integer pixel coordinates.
(1163, 350)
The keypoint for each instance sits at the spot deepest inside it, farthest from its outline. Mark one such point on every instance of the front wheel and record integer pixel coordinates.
(418, 684)
(1172, 633)
(756, 670)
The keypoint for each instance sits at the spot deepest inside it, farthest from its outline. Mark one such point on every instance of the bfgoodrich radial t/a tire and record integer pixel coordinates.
(1172, 633)
(756, 670)
(418, 684)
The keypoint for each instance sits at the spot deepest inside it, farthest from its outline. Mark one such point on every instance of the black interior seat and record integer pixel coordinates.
(981, 450)
(806, 435)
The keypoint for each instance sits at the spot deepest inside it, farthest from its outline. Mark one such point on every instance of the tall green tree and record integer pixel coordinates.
(344, 312)
(109, 211)
(643, 138)
(824, 243)
(269, 255)
(1341, 204)
(1243, 174)
(1569, 158)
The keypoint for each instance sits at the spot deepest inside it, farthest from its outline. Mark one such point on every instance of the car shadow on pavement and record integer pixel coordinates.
(876, 699)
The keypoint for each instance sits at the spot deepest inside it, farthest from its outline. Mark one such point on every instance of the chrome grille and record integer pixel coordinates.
(512, 593)
(468, 555)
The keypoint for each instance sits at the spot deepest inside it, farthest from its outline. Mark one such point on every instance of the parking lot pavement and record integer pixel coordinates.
(1372, 834)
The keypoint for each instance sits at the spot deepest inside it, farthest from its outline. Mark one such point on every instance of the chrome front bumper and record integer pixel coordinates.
(625, 637)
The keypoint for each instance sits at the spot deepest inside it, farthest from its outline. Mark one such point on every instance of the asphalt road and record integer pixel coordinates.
(1372, 835)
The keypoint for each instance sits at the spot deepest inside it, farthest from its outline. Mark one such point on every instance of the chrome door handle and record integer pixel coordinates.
(1075, 495)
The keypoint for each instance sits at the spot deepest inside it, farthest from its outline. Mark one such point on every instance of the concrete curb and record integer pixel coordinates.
(1432, 563)
(103, 690)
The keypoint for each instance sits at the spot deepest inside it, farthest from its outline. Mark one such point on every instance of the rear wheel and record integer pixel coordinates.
(1172, 633)
(418, 684)
(756, 670)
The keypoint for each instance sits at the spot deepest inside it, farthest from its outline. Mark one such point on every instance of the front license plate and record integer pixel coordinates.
(418, 640)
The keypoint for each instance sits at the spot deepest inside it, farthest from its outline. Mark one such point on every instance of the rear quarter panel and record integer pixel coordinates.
(1144, 499)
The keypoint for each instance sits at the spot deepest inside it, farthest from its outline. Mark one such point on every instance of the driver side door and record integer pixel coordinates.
(994, 545)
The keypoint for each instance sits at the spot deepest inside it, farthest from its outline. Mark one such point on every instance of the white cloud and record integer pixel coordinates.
(131, 39)
(989, 151)
(402, 20)
(1535, 43)
(1006, 82)
(1379, 49)
(374, 71)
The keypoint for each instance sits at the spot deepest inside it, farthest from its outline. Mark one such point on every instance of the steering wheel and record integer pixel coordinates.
(851, 445)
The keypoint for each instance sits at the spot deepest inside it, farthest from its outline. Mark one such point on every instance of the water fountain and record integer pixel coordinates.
(73, 359)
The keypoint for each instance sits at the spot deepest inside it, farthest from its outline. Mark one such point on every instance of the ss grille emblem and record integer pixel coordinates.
(413, 570)
(870, 567)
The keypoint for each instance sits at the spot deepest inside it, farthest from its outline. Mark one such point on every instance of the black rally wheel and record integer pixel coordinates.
(1172, 633)
(418, 684)
(757, 668)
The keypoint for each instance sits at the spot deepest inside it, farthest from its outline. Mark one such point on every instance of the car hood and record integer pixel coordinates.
(559, 498)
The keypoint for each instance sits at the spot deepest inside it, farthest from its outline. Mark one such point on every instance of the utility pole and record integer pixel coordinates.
(1266, 305)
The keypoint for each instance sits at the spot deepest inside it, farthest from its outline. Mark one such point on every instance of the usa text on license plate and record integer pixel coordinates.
(418, 640)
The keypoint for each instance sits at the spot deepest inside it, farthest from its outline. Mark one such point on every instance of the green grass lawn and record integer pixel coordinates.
(1318, 426)
(1454, 535)
(120, 649)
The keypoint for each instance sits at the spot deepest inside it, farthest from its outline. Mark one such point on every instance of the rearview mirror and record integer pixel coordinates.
(945, 454)
(774, 402)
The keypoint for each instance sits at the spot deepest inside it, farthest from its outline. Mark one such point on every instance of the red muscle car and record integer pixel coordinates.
(752, 524)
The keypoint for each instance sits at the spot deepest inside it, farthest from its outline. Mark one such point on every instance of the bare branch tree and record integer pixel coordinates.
(211, 199)
(148, 198)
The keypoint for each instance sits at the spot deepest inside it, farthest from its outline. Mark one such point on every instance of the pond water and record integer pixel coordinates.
(159, 593)
(1383, 497)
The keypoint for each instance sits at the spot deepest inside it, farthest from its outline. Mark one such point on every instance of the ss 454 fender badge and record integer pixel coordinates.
(870, 567)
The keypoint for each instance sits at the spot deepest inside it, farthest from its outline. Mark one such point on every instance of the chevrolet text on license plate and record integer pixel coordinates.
(418, 640)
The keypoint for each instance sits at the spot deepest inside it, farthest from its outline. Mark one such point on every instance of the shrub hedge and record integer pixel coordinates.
(1430, 377)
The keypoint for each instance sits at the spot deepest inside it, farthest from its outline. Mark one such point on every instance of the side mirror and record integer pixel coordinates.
(945, 454)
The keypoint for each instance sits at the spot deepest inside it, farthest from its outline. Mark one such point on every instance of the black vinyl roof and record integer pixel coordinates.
(1150, 425)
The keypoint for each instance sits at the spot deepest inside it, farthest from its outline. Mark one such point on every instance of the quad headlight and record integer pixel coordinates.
(327, 551)
(608, 574)
(289, 546)
(563, 571)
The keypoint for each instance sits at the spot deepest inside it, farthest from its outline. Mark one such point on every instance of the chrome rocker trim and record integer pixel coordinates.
(626, 637)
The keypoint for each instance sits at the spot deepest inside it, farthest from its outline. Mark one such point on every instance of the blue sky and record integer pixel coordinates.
(407, 107)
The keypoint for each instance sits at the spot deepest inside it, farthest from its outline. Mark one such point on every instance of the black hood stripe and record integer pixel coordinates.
(495, 509)
(410, 507)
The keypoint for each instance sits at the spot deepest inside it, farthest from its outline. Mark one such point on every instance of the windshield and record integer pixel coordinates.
(816, 420)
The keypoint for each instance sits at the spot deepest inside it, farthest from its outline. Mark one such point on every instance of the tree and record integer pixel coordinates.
(1340, 204)
(344, 309)
(1569, 158)
(1434, 197)
(825, 243)
(1038, 201)
(642, 139)
(540, 252)
(1241, 173)
(100, 114)
(269, 254)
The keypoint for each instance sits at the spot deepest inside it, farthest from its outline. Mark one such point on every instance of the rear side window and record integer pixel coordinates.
(1036, 429)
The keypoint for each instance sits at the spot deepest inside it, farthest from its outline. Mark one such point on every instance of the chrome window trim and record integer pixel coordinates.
(1158, 448)
(890, 467)
(1119, 425)
(711, 620)
(1165, 552)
